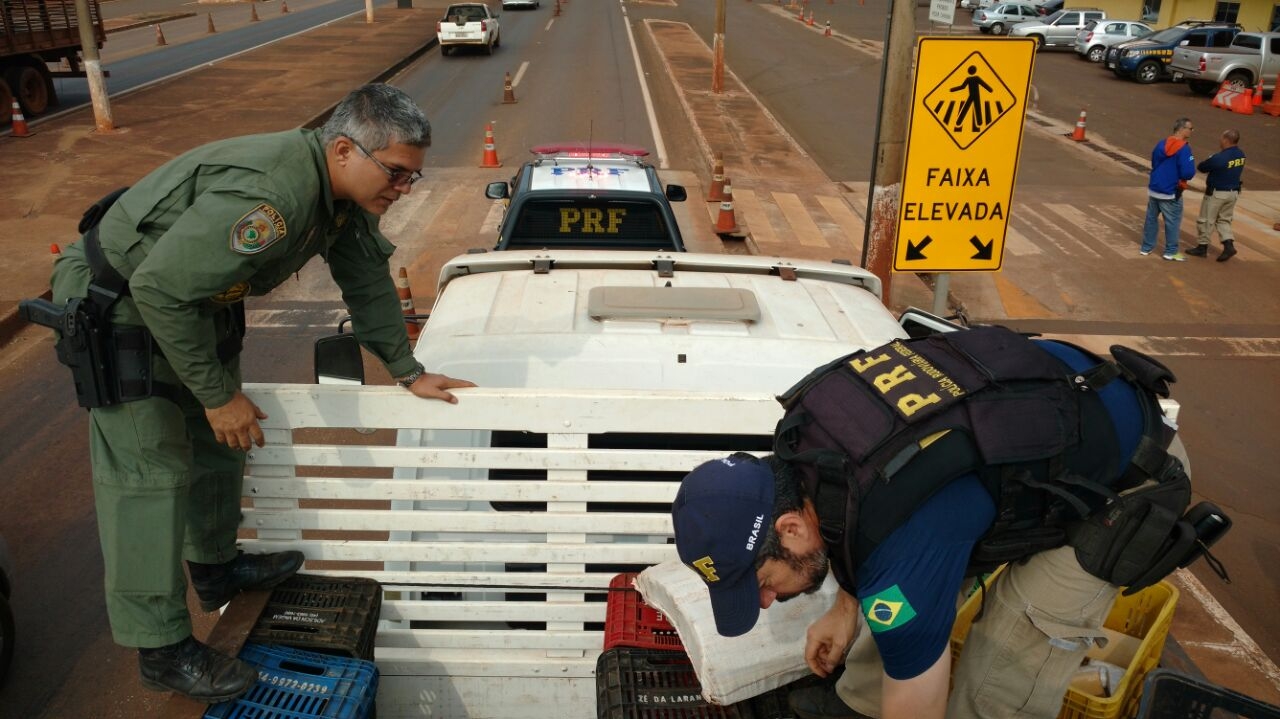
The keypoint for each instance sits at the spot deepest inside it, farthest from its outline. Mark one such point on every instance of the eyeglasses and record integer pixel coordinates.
(395, 176)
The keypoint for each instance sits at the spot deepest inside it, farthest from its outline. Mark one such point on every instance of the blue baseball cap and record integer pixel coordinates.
(721, 516)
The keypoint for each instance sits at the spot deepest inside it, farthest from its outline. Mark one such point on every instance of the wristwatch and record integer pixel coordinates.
(412, 377)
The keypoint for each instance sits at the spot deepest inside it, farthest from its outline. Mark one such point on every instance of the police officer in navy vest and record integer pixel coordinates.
(177, 254)
(1222, 186)
(899, 577)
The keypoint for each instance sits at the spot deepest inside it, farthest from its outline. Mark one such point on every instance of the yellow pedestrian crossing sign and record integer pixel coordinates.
(967, 113)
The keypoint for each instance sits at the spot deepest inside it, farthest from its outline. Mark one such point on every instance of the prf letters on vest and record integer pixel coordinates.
(899, 382)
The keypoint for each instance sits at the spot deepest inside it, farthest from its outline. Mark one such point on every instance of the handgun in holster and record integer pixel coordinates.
(84, 346)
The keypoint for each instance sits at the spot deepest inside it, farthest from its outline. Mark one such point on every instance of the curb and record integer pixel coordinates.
(145, 23)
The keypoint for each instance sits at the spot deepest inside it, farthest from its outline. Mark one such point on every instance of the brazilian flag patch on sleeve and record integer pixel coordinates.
(887, 609)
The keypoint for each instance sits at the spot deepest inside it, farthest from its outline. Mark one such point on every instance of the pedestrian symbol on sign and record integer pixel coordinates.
(969, 100)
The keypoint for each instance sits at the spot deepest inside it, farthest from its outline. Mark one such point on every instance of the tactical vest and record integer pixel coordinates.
(874, 434)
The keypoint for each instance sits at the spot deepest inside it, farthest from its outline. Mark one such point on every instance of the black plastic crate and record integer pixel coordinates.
(638, 683)
(1167, 693)
(330, 615)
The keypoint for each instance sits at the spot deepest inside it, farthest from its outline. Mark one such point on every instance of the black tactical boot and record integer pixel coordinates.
(195, 671)
(1197, 251)
(217, 584)
(1228, 251)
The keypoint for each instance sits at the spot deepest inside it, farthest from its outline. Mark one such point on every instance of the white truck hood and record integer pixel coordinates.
(713, 323)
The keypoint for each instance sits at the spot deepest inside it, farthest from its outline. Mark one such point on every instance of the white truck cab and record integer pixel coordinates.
(496, 524)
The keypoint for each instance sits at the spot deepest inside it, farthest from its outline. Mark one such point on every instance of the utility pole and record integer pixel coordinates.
(891, 140)
(368, 12)
(717, 47)
(93, 70)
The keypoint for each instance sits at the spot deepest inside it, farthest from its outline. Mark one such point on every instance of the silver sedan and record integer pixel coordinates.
(998, 18)
(1092, 42)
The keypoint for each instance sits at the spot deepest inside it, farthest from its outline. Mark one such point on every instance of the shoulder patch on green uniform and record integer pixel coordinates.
(257, 230)
(887, 609)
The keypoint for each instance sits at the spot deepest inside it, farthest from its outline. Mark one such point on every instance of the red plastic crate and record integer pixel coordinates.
(630, 622)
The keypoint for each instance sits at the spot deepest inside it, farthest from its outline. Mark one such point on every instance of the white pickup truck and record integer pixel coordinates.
(496, 524)
(1251, 57)
(469, 24)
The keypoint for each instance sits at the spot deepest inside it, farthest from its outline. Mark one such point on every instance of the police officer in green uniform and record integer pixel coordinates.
(193, 238)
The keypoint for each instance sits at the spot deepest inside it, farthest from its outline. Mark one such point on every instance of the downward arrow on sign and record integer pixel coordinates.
(984, 251)
(915, 251)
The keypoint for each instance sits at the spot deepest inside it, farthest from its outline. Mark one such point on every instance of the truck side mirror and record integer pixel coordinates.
(338, 360)
(676, 193)
(496, 191)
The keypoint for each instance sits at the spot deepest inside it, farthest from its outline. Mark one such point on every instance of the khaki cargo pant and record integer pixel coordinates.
(1040, 619)
(164, 491)
(1216, 212)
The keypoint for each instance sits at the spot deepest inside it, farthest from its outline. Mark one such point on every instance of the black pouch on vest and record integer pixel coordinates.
(133, 349)
(1146, 371)
(1138, 539)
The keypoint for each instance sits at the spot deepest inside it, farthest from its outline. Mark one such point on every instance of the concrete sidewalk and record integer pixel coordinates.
(51, 177)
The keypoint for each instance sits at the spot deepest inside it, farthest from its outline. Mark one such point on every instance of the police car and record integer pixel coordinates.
(588, 196)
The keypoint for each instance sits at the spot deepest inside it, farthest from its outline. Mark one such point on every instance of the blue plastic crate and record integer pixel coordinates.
(296, 684)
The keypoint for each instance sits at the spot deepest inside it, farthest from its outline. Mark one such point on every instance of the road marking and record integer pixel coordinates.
(850, 224)
(1242, 645)
(403, 210)
(658, 145)
(757, 220)
(520, 73)
(1017, 302)
(1088, 227)
(549, 23)
(1018, 244)
(806, 230)
(294, 318)
(493, 218)
(1039, 226)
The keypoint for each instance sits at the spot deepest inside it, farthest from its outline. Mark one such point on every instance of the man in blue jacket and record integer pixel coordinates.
(1221, 190)
(1172, 164)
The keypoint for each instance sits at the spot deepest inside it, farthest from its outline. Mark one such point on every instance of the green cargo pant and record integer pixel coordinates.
(164, 491)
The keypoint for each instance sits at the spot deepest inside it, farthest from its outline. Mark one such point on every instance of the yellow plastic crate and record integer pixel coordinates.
(1145, 616)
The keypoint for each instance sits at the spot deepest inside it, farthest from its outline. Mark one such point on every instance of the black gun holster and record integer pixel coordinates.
(109, 364)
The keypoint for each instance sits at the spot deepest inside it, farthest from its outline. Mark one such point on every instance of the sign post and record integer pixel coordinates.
(965, 134)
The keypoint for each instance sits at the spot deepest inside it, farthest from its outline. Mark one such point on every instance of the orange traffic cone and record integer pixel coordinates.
(508, 94)
(809, 22)
(1078, 133)
(406, 303)
(716, 194)
(490, 153)
(1273, 107)
(253, 11)
(160, 36)
(19, 122)
(1257, 94)
(284, 7)
(828, 32)
(726, 223)
(211, 29)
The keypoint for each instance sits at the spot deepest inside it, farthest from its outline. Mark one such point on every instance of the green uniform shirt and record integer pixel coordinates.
(235, 218)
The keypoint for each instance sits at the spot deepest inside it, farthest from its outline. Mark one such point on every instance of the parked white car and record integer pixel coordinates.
(468, 24)
(998, 18)
(1092, 42)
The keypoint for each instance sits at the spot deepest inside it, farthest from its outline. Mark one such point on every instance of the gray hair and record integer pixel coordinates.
(788, 496)
(376, 117)
(1180, 123)
(1233, 136)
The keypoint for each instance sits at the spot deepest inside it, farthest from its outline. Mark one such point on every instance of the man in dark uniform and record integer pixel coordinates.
(1221, 190)
(752, 530)
(192, 239)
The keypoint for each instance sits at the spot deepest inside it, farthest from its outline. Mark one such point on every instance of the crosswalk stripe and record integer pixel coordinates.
(753, 214)
(805, 229)
(1017, 243)
(851, 226)
(1087, 227)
